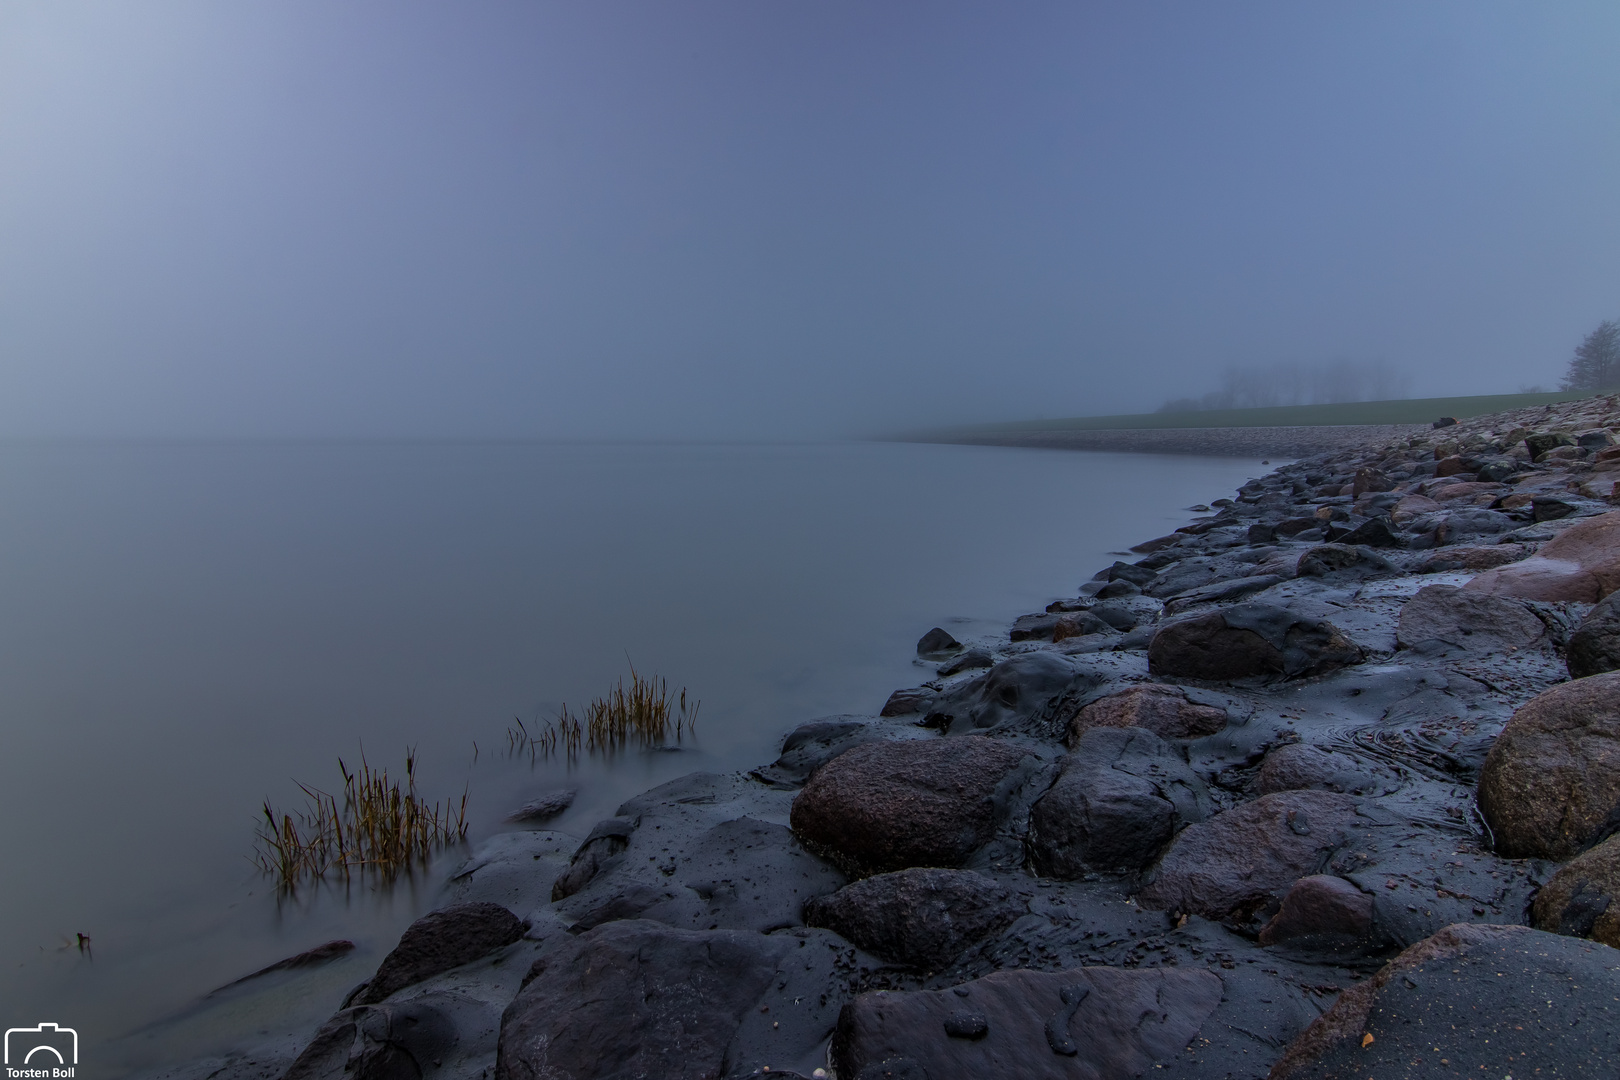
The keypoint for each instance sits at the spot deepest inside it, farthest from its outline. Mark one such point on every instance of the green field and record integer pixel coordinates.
(1405, 411)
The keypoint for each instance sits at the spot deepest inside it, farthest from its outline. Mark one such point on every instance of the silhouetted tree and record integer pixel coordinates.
(1596, 364)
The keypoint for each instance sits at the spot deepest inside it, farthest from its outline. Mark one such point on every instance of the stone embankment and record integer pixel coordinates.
(1295, 441)
(1306, 790)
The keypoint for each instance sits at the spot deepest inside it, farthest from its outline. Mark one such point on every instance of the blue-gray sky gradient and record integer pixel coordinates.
(727, 219)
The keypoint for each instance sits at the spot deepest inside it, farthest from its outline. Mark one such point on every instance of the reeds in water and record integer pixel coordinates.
(645, 713)
(561, 736)
(380, 826)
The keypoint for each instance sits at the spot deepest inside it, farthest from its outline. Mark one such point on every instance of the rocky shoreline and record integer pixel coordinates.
(1323, 784)
(1296, 441)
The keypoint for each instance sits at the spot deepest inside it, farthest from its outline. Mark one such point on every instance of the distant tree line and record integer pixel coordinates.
(1596, 363)
(1299, 384)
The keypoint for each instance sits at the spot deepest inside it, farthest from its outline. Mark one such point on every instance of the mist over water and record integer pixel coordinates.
(190, 627)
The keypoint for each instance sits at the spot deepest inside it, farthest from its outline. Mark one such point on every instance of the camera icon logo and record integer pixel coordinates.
(42, 1045)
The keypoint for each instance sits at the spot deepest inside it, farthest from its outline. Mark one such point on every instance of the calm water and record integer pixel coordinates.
(187, 628)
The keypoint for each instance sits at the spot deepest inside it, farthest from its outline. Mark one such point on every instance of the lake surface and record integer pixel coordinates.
(187, 629)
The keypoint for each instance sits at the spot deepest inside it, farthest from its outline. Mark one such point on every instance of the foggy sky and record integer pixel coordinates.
(692, 218)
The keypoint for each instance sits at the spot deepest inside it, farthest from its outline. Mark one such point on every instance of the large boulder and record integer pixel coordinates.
(1096, 1023)
(1243, 860)
(1164, 710)
(1582, 563)
(919, 917)
(1022, 692)
(1446, 619)
(1550, 787)
(1343, 561)
(1579, 900)
(894, 804)
(1247, 641)
(439, 941)
(404, 1039)
(1487, 557)
(1121, 796)
(636, 998)
(1541, 442)
(1594, 647)
(1471, 1001)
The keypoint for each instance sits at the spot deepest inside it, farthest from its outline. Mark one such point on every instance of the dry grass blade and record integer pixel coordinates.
(645, 713)
(381, 826)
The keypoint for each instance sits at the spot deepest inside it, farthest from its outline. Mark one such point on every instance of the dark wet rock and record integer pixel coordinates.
(1343, 560)
(920, 917)
(1594, 647)
(913, 699)
(1078, 624)
(1550, 787)
(1295, 527)
(1445, 421)
(1323, 911)
(546, 806)
(1117, 616)
(1454, 465)
(1124, 571)
(1136, 640)
(605, 843)
(1117, 589)
(1180, 577)
(1461, 493)
(1471, 1001)
(968, 661)
(1166, 711)
(320, 954)
(1443, 619)
(1374, 532)
(1300, 767)
(1157, 544)
(1596, 439)
(1550, 508)
(1369, 479)
(439, 941)
(637, 998)
(1022, 692)
(1247, 641)
(1223, 590)
(1034, 627)
(1091, 1024)
(1262, 533)
(937, 644)
(811, 745)
(1122, 794)
(1244, 859)
(892, 805)
(1542, 442)
(1473, 558)
(397, 1041)
(1580, 899)
(1467, 523)
(737, 874)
